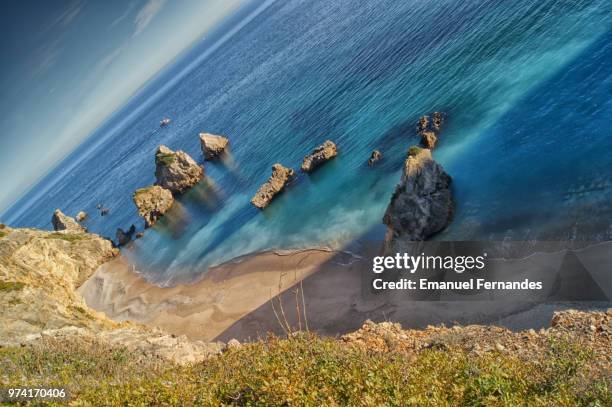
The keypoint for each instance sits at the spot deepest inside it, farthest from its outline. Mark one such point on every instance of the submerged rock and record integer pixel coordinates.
(123, 237)
(81, 216)
(152, 202)
(176, 170)
(422, 203)
(213, 146)
(279, 178)
(61, 222)
(319, 156)
(374, 157)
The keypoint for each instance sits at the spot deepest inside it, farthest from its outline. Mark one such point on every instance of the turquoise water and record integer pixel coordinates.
(527, 87)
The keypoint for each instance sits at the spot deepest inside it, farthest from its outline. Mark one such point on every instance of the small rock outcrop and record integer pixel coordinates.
(374, 157)
(152, 203)
(176, 170)
(124, 237)
(429, 128)
(62, 222)
(81, 216)
(422, 203)
(319, 156)
(279, 178)
(213, 146)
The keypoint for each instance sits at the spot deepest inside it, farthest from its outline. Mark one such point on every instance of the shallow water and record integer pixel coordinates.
(526, 86)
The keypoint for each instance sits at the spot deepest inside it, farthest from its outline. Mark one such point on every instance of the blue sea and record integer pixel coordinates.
(526, 85)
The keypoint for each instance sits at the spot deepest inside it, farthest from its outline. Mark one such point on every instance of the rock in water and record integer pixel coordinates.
(176, 170)
(280, 177)
(63, 222)
(374, 157)
(152, 202)
(429, 139)
(319, 156)
(429, 129)
(81, 216)
(123, 237)
(422, 203)
(213, 146)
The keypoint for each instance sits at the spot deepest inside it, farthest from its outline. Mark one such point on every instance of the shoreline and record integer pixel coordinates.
(241, 298)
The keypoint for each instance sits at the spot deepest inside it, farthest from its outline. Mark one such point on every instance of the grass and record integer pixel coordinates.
(143, 190)
(166, 159)
(69, 237)
(7, 286)
(308, 370)
(414, 150)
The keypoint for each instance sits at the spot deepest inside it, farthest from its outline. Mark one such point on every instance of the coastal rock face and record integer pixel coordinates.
(319, 156)
(280, 176)
(429, 128)
(422, 203)
(213, 146)
(374, 157)
(152, 202)
(62, 222)
(176, 170)
(39, 274)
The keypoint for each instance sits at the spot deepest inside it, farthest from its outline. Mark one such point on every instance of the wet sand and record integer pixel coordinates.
(204, 309)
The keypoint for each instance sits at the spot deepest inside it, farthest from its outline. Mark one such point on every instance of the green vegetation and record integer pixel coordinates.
(166, 159)
(414, 150)
(307, 370)
(6, 286)
(69, 237)
(143, 190)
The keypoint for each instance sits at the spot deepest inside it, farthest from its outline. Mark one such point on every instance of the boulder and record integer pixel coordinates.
(124, 237)
(152, 202)
(62, 222)
(374, 157)
(81, 216)
(422, 204)
(213, 146)
(279, 178)
(319, 156)
(429, 139)
(429, 129)
(176, 170)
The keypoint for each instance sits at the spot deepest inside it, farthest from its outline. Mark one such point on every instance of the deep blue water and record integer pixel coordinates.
(527, 86)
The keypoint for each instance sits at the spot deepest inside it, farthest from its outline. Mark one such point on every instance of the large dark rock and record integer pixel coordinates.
(422, 204)
(176, 170)
(279, 178)
(319, 156)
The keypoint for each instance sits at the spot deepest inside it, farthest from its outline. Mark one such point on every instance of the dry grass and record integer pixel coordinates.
(309, 370)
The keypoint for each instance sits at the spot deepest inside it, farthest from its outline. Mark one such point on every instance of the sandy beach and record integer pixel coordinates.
(321, 289)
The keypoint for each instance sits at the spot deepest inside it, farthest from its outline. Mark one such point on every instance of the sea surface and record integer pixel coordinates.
(526, 85)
